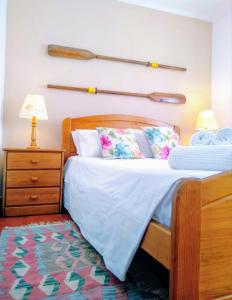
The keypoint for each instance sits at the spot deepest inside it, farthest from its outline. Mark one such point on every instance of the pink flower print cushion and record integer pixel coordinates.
(161, 140)
(118, 143)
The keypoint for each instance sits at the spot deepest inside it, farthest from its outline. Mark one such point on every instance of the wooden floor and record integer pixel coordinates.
(20, 221)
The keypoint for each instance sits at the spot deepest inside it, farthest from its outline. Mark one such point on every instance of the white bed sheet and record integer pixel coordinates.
(112, 201)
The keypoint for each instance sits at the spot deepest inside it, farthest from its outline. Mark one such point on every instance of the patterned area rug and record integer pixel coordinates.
(53, 261)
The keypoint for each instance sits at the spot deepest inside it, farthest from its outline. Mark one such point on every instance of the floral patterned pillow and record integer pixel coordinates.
(118, 143)
(161, 140)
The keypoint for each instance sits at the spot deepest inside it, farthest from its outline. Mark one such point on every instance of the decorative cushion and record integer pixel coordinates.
(161, 140)
(118, 143)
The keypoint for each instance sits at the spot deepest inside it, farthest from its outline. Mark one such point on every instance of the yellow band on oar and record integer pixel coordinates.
(92, 90)
(154, 65)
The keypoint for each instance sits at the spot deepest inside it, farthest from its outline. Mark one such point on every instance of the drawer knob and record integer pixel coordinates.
(34, 178)
(34, 161)
(33, 197)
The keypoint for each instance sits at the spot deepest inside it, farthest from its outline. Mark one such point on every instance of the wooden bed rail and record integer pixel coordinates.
(201, 239)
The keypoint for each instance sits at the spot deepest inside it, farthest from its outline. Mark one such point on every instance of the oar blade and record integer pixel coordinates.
(68, 52)
(168, 98)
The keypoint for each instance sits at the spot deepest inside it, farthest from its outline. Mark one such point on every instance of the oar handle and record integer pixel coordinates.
(125, 60)
(122, 93)
(67, 88)
(172, 68)
(92, 90)
(138, 62)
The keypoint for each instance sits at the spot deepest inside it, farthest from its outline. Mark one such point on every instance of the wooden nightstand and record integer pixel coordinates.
(33, 181)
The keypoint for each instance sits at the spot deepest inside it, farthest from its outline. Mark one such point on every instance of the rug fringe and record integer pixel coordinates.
(40, 224)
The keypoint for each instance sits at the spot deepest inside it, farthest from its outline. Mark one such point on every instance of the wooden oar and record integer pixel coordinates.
(61, 51)
(158, 97)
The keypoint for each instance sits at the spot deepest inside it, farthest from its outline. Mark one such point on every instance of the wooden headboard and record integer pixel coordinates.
(114, 121)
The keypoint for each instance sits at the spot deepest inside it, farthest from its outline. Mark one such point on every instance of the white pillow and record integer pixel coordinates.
(142, 142)
(87, 142)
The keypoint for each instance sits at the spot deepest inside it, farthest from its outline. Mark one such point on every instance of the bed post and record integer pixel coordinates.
(201, 240)
(66, 137)
(185, 243)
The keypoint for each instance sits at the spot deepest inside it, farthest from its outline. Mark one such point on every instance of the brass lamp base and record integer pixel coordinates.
(33, 145)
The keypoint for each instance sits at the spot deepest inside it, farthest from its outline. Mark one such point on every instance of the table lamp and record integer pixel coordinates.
(34, 108)
(206, 121)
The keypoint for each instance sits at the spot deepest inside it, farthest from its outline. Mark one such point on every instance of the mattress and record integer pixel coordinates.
(112, 201)
(162, 213)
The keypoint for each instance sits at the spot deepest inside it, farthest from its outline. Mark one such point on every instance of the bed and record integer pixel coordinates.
(197, 248)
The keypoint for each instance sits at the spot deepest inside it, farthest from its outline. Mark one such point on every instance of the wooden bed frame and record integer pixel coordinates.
(197, 249)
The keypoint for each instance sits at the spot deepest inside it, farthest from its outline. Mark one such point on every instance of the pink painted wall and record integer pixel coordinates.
(105, 27)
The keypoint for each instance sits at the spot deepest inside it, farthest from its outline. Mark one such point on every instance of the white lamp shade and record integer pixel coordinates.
(34, 106)
(206, 121)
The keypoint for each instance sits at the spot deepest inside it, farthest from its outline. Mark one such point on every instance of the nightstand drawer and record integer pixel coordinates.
(32, 210)
(30, 160)
(34, 178)
(32, 196)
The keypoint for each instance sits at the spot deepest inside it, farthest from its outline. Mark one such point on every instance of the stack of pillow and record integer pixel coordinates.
(152, 142)
(111, 143)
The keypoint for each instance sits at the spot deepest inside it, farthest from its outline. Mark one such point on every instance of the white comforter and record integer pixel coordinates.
(112, 201)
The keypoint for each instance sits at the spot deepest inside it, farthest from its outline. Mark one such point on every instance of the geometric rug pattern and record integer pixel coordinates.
(54, 261)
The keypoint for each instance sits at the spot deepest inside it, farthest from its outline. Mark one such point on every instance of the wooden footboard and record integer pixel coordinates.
(201, 240)
(198, 248)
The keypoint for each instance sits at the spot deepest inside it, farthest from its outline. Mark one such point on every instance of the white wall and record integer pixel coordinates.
(105, 27)
(222, 64)
(3, 10)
